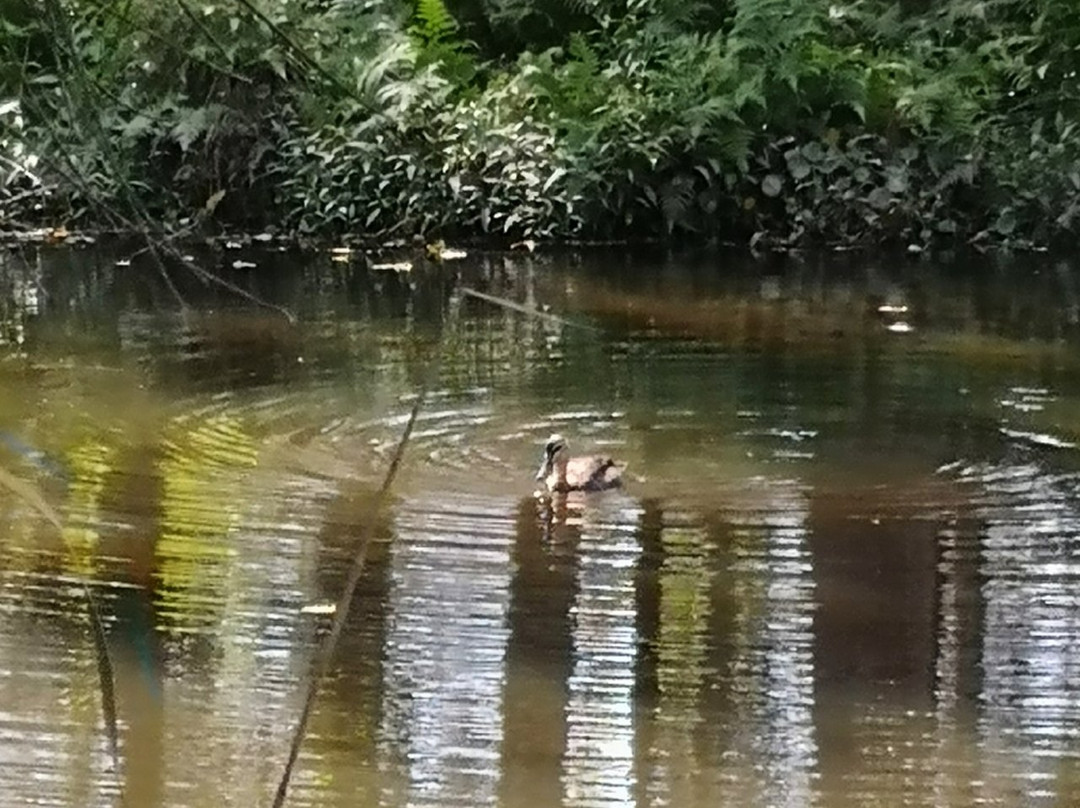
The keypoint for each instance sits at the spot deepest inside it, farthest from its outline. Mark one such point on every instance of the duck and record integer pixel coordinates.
(560, 472)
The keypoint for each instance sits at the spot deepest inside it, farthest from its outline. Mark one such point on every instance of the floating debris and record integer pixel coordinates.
(263, 237)
(319, 608)
(899, 327)
(400, 266)
(233, 245)
(526, 244)
(438, 252)
(122, 262)
(243, 265)
(887, 308)
(340, 254)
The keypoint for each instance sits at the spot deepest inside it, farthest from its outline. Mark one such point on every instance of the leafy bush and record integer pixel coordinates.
(782, 121)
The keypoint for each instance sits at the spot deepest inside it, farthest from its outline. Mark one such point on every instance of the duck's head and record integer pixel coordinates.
(555, 453)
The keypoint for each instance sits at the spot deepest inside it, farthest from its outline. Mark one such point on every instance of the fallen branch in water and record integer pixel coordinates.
(321, 663)
(510, 304)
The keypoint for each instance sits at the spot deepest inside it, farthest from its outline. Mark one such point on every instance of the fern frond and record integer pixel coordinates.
(434, 22)
(731, 144)
(575, 7)
(675, 198)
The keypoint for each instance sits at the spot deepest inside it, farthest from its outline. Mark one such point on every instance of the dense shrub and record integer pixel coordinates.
(778, 121)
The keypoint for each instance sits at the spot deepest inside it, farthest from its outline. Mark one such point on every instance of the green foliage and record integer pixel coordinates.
(436, 32)
(434, 23)
(785, 121)
(859, 191)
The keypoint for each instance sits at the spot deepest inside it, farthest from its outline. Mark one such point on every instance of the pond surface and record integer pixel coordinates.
(844, 569)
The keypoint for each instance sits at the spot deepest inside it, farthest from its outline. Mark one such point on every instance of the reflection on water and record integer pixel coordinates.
(599, 751)
(843, 570)
(1031, 658)
(445, 649)
(775, 639)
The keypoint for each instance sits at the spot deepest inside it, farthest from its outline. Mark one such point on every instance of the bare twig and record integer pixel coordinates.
(41, 189)
(510, 304)
(321, 664)
(33, 497)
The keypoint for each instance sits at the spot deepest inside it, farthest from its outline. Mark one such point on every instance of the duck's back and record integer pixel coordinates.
(593, 473)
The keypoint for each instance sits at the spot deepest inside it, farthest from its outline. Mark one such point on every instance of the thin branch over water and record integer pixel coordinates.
(30, 494)
(321, 663)
(510, 304)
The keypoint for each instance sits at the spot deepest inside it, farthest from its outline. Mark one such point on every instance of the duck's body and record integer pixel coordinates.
(560, 472)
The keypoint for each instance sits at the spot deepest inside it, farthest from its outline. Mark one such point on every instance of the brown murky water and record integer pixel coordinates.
(844, 571)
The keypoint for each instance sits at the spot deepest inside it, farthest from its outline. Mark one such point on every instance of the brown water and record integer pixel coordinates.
(844, 570)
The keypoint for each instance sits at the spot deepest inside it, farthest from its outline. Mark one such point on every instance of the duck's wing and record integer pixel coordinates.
(594, 473)
(612, 474)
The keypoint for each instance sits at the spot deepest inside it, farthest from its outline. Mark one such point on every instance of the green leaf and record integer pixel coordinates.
(879, 198)
(813, 151)
(897, 182)
(797, 164)
(772, 185)
(192, 125)
(137, 126)
(277, 65)
(1006, 222)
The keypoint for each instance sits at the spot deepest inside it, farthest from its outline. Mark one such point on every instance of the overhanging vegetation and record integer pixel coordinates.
(779, 122)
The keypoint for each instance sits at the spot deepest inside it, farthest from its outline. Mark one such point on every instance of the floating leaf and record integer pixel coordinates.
(772, 185)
